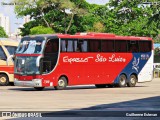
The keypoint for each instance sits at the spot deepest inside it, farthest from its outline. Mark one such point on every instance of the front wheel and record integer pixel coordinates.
(132, 81)
(39, 88)
(4, 80)
(62, 83)
(122, 81)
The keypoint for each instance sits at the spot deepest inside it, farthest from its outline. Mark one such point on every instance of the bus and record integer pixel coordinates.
(7, 49)
(102, 59)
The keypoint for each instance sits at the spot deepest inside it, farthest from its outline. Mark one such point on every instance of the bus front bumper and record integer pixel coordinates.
(32, 83)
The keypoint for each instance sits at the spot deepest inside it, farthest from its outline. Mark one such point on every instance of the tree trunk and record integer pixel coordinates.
(70, 22)
(44, 18)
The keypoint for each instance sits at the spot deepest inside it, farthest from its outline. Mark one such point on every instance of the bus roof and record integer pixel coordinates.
(91, 35)
(8, 42)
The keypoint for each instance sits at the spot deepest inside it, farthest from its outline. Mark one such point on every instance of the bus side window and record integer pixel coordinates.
(70, 46)
(94, 46)
(76, 49)
(145, 46)
(2, 54)
(133, 46)
(120, 45)
(80, 46)
(84, 46)
(107, 46)
(11, 49)
(63, 46)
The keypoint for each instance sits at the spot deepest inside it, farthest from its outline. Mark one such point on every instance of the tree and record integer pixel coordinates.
(41, 30)
(97, 27)
(56, 14)
(132, 18)
(2, 33)
(27, 26)
(154, 6)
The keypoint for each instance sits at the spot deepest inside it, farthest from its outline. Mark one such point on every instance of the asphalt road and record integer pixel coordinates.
(143, 97)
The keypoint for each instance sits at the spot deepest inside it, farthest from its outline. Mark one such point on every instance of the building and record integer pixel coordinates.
(5, 23)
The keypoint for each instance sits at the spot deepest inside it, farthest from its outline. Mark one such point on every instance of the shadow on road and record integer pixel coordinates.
(140, 109)
(140, 106)
(68, 88)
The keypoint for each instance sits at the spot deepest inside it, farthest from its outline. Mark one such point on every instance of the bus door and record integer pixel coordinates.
(50, 59)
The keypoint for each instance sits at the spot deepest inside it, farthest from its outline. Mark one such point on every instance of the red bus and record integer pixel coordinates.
(101, 59)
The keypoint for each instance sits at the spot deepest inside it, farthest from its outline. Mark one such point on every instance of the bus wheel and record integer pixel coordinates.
(4, 80)
(122, 81)
(39, 88)
(100, 85)
(62, 83)
(132, 81)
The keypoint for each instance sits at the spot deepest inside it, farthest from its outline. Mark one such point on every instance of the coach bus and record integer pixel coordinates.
(101, 59)
(7, 48)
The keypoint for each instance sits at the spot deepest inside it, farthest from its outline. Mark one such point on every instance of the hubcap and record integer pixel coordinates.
(2, 79)
(61, 83)
(133, 81)
(123, 81)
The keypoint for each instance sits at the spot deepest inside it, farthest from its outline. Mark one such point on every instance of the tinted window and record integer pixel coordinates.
(52, 46)
(108, 46)
(82, 46)
(120, 46)
(2, 54)
(145, 46)
(11, 49)
(63, 46)
(94, 46)
(133, 46)
(67, 45)
(74, 46)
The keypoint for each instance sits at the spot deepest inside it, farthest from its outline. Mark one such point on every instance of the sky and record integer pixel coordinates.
(8, 10)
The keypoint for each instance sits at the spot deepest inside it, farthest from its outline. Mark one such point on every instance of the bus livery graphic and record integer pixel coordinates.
(103, 59)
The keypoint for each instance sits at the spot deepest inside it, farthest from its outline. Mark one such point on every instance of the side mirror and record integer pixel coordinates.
(38, 60)
(9, 58)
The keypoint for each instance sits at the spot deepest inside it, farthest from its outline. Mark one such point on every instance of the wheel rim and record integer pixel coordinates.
(123, 81)
(133, 81)
(3, 79)
(61, 83)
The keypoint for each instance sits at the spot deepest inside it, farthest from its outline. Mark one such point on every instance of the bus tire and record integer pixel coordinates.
(62, 83)
(39, 88)
(122, 81)
(132, 81)
(100, 85)
(4, 80)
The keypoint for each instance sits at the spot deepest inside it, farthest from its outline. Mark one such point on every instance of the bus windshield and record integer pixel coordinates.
(26, 65)
(31, 46)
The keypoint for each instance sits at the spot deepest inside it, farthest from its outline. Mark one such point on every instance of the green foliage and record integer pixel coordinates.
(133, 18)
(41, 30)
(121, 17)
(2, 33)
(56, 14)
